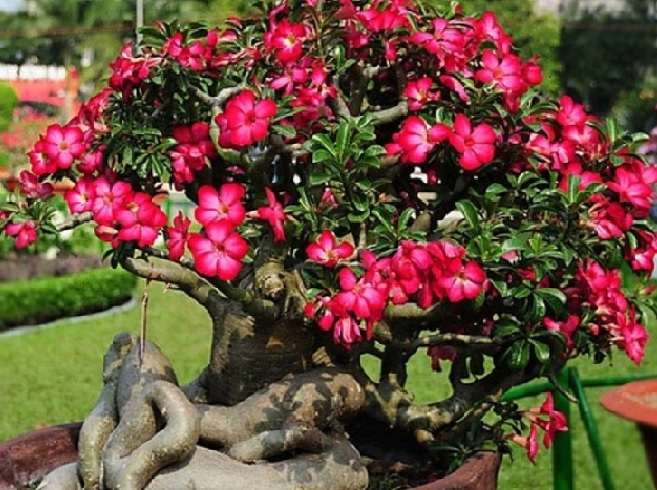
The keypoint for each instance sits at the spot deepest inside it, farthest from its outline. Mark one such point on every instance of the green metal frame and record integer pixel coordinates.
(562, 452)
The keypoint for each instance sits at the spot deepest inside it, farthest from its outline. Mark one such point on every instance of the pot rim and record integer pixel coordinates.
(626, 402)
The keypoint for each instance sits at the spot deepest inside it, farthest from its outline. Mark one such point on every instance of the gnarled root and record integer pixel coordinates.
(337, 468)
(144, 432)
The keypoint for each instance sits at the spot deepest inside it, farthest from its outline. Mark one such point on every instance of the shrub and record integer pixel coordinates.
(8, 102)
(42, 300)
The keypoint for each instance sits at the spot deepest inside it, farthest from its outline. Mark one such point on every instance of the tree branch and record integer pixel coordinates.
(390, 114)
(220, 99)
(188, 281)
(75, 220)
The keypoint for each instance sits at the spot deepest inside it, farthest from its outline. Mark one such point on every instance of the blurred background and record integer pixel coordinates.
(54, 54)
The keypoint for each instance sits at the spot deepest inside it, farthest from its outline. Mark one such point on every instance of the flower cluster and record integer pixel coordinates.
(545, 418)
(424, 273)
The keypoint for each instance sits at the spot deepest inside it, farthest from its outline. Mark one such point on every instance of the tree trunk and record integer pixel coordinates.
(247, 354)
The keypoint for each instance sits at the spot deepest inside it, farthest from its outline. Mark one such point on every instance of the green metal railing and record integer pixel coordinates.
(562, 451)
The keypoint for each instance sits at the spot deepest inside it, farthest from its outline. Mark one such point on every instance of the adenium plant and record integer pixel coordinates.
(371, 180)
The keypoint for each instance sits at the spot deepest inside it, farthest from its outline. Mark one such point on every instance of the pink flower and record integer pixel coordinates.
(81, 198)
(529, 442)
(567, 327)
(63, 145)
(550, 420)
(325, 251)
(346, 331)
(360, 297)
(178, 236)
(467, 283)
(415, 140)
(108, 197)
(31, 187)
(25, 233)
(633, 337)
(219, 251)
(225, 204)
(418, 92)
(506, 72)
(285, 40)
(273, 213)
(476, 146)
(245, 122)
(632, 188)
(140, 219)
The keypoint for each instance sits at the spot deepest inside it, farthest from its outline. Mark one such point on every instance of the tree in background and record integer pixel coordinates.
(8, 101)
(89, 32)
(619, 48)
(534, 33)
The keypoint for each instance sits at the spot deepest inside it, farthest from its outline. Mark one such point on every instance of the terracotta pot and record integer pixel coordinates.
(637, 402)
(28, 458)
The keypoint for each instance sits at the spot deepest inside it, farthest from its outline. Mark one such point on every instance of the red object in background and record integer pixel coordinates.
(50, 92)
(53, 92)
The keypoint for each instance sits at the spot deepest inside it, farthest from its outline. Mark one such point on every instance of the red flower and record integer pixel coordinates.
(81, 198)
(631, 188)
(506, 73)
(63, 145)
(325, 252)
(285, 40)
(467, 283)
(476, 146)
(218, 253)
(415, 140)
(192, 152)
(178, 236)
(25, 233)
(245, 122)
(274, 214)
(418, 92)
(225, 204)
(31, 187)
(634, 337)
(140, 219)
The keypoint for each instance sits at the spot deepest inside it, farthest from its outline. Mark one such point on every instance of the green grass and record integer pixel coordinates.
(53, 376)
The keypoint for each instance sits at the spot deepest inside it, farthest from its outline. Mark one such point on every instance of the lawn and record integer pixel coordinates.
(53, 375)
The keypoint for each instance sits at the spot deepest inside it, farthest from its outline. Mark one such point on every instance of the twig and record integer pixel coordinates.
(220, 99)
(144, 311)
(75, 221)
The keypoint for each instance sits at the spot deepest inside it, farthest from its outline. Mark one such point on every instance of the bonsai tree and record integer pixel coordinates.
(372, 181)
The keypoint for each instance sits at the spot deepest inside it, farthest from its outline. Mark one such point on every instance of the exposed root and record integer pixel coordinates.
(136, 450)
(144, 432)
(273, 443)
(102, 420)
(312, 399)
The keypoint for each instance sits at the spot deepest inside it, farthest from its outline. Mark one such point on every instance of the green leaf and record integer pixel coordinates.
(322, 155)
(555, 298)
(318, 178)
(324, 140)
(469, 212)
(284, 130)
(542, 351)
(360, 202)
(506, 329)
(573, 188)
(342, 138)
(538, 308)
(517, 356)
